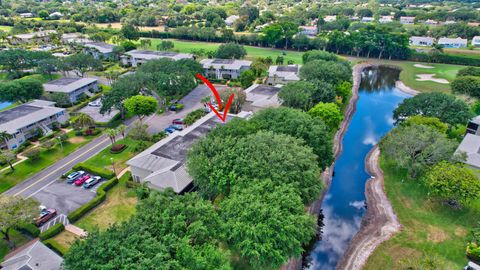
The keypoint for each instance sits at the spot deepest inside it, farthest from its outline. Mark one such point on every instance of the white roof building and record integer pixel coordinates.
(452, 42)
(330, 18)
(101, 47)
(421, 41)
(33, 35)
(407, 20)
(225, 68)
(34, 256)
(367, 19)
(261, 96)
(230, 20)
(283, 74)
(385, 19)
(67, 85)
(136, 57)
(471, 147)
(476, 41)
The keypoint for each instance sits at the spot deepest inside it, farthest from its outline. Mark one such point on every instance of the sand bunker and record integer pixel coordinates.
(429, 77)
(422, 66)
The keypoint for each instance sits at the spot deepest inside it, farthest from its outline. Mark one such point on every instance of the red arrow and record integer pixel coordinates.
(217, 97)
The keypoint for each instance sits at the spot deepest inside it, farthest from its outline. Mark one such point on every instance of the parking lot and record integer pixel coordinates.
(94, 112)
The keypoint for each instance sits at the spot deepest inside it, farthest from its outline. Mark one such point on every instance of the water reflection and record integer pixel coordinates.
(343, 206)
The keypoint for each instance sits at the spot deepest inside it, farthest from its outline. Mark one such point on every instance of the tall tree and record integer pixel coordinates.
(15, 210)
(141, 106)
(80, 63)
(8, 157)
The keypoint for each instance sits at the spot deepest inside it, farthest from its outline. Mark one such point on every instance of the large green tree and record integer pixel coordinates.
(329, 112)
(21, 90)
(15, 210)
(141, 106)
(468, 85)
(445, 107)
(326, 71)
(230, 51)
(80, 63)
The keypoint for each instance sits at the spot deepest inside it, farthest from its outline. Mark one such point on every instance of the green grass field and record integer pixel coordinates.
(252, 52)
(430, 229)
(119, 206)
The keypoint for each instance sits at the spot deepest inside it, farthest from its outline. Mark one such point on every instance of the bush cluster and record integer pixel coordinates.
(52, 231)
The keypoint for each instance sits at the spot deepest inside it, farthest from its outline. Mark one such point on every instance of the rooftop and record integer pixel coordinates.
(35, 256)
(67, 85)
(263, 96)
(289, 72)
(100, 46)
(145, 54)
(225, 63)
(17, 112)
(471, 147)
(35, 34)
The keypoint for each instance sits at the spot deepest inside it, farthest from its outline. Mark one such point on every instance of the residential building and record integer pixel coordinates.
(473, 126)
(224, 68)
(421, 41)
(470, 146)
(367, 19)
(55, 15)
(26, 15)
(430, 22)
(449, 22)
(473, 24)
(32, 37)
(310, 31)
(99, 50)
(476, 41)
(385, 19)
(283, 74)
(230, 20)
(23, 121)
(452, 42)
(33, 256)
(75, 88)
(137, 57)
(75, 38)
(407, 20)
(330, 18)
(163, 164)
(261, 96)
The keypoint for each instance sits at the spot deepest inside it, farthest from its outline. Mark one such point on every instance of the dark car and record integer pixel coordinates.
(169, 130)
(92, 182)
(176, 127)
(45, 216)
(178, 121)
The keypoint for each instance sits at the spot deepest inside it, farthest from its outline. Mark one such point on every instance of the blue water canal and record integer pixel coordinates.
(3, 105)
(344, 204)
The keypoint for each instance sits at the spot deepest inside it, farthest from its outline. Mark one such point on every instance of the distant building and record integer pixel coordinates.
(33, 256)
(330, 18)
(452, 42)
(421, 41)
(476, 41)
(163, 164)
(224, 68)
(407, 20)
(75, 38)
(137, 57)
(55, 15)
(230, 20)
(32, 37)
(26, 15)
(261, 96)
(449, 22)
(473, 24)
(367, 19)
(470, 146)
(283, 74)
(310, 31)
(23, 121)
(430, 22)
(385, 19)
(99, 50)
(75, 88)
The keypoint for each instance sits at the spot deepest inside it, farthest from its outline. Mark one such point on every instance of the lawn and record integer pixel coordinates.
(64, 239)
(29, 168)
(103, 159)
(430, 229)
(119, 206)
(19, 240)
(252, 52)
(409, 72)
(5, 28)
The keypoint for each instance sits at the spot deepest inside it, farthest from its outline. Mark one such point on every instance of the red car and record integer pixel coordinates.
(45, 216)
(82, 180)
(178, 122)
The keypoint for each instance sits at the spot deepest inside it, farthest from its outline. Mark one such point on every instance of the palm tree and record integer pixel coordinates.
(112, 133)
(84, 121)
(121, 129)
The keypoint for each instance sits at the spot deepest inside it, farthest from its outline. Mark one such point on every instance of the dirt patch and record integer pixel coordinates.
(460, 232)
(76, 140)
(436, 235)
(430, 77)
(422, 66)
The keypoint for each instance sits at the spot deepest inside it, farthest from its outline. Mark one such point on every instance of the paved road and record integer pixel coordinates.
(40, 181)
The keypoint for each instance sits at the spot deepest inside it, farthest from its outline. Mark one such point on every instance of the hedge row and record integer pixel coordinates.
(52, 231)
(101, 195)
(56, 247)
(28, 228)
(104, 173)
(444, 58)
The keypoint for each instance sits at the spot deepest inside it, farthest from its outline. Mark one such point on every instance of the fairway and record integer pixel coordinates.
(252, 52)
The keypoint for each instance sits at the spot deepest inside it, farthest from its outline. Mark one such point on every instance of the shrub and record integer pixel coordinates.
(104, 173)
(473, 252)
(157, 137)
(101, 195)
(141, 145)
(32, 154)
(28, 228)
(49, 144)
(179, 106)
(56, 247)
(194, 116)
(117, 148)
(52, 231)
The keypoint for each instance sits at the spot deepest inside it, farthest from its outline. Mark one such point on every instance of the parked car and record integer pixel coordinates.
(92, 182)
(178, 121)
(176, 127)
(169, 130)
(74, 176)
(176, 107)
(82, 180)
(472, 266)
(45, 216)
(96, 103)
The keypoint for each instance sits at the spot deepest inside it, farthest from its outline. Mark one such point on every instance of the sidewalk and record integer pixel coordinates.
(76, 230)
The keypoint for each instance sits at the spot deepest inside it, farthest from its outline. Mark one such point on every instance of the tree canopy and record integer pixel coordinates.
(230, 51)
(15, 211)
(468, 85)
(326, 71)
(330, 114)
(141, 105)
(21, 90)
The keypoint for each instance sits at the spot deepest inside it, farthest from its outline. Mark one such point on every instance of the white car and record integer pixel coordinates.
(96, 103)
(73, 176)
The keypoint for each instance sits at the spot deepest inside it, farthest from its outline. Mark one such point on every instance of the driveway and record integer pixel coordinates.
(94, 112)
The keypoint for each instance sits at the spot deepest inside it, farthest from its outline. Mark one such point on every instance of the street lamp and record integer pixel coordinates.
(61, 143)
(113, 166)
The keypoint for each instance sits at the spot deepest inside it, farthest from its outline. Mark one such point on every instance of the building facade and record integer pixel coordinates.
(138, 57)
(283, 74)
(421, 41)
(224, 68)
(452, 42)
(75, 88)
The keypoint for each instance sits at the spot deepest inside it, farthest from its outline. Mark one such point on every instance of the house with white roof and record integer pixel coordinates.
(330, 18)
(421, 41)
(470, 147)
(385, 19)
(99, 50)
(23, 121)
(224, 68)
(283, 74)
(476, 41)
(163, 164)
(230, 20)
(407, 20)
(32, 37)
(310, 31)
(137, 57)
(430, 22)
(55, 15)
(452, 42)
(260, 96)
(75, 88)
(367, 19)
(26, 15)
(75, 38)
(33, 256)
